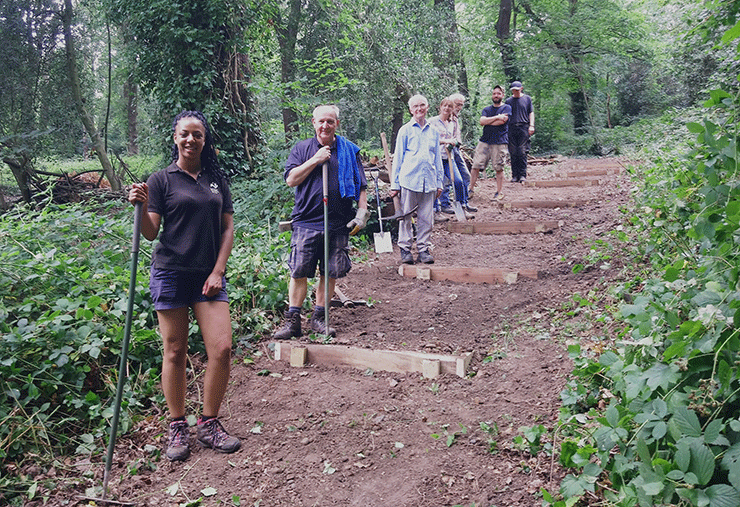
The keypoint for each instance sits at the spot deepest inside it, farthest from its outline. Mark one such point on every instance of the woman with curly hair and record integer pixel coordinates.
(191, 200)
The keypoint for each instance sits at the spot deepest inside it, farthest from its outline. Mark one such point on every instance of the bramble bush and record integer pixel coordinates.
(670, 431)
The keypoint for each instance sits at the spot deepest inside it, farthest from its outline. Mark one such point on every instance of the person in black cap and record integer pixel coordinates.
(521, 126)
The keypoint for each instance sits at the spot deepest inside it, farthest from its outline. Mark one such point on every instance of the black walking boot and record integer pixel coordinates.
(292, 327)
(318, 324)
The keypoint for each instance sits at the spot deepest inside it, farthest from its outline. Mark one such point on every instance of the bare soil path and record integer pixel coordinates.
(322, 436)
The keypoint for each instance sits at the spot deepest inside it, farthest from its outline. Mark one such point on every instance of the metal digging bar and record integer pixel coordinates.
(124, 347)
(325, 182)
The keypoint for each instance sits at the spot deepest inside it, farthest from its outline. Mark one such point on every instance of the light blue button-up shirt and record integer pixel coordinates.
(417, 161)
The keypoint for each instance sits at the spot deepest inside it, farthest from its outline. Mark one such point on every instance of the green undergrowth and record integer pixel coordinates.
(652, 417)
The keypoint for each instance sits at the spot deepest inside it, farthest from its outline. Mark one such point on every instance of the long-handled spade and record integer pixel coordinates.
(456, 206)
(124, 346)
(383, 239)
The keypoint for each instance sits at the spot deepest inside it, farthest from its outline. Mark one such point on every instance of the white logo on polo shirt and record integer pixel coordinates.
(214, 187)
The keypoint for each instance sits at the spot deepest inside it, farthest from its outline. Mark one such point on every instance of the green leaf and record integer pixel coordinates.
(702, 462)
(722, 495)
(94, 301)
(712, 431)
(659, 430)
(652, 488)
(612, 416)
(675, 475)
(571, 487)
(695, 128)
(686, 422)
(683, 456)
(642, 451)
(731, 463)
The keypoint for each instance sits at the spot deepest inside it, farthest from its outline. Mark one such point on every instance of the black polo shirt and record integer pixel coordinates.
(191, 212)
(308, 211)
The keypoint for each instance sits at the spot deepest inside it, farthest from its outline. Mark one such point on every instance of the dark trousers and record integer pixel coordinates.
(518, 139)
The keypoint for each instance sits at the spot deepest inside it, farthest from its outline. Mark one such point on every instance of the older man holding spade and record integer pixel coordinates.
(345, 185)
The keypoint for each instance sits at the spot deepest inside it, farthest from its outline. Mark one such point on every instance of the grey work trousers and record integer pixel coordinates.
(424, 219)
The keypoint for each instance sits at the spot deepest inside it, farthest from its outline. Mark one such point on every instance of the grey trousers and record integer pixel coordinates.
(424, 219)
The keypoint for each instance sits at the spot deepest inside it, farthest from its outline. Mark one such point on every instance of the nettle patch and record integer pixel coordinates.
(655, 420)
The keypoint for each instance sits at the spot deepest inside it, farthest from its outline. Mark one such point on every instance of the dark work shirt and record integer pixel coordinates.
(520, 109)
(496, 134)
(308, 210)
(191, 212)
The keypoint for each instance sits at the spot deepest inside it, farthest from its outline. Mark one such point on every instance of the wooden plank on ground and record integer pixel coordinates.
(469, 275)
(512, 227)
(381, 360)
(561, 183)
(590, 172)
(542, 204)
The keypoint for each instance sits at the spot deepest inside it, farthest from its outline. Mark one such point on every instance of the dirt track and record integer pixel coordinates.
(341, 436)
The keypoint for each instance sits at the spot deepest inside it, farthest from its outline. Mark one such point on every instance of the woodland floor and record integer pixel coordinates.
(344, 436)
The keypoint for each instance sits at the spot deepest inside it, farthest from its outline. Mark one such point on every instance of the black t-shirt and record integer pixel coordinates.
(308, 210)
(191, 212)
(496, 134)
(520, 109)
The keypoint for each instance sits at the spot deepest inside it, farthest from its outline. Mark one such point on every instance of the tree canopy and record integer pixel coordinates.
(257, 69)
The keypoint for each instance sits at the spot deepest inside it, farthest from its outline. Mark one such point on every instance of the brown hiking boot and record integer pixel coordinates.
(178, 447)
(318, 325)
(213, 435)
(292, 327)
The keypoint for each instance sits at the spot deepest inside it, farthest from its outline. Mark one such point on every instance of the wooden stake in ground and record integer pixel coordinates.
(521, 227)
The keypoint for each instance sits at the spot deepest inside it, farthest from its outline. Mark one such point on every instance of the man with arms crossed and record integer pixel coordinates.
(493, 143)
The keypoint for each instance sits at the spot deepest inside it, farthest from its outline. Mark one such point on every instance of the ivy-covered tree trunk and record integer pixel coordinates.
(87, 120)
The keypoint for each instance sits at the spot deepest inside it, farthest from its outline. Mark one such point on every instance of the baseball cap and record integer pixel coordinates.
(516, 85)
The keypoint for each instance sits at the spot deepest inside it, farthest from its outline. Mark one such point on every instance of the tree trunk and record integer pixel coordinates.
(506, 43)
(131, 94)
(239, 100)
(287, 33)
(450, 63)
(21, 169)
(87, 120)
(399, 110)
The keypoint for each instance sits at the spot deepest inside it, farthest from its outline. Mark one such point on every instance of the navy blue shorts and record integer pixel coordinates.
(307, 251)
(172, 288)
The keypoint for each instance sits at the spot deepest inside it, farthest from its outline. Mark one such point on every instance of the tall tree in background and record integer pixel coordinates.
(192, 55)
(505, 39)
(35, 117)
(452, 64)
(85, 117)
(582, 35)
(287, 23)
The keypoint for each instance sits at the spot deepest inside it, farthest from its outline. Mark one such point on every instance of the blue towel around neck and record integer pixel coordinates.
(349, 172)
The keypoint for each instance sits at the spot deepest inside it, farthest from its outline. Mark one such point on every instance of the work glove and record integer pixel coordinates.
(358, 222)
